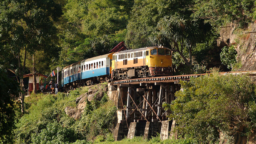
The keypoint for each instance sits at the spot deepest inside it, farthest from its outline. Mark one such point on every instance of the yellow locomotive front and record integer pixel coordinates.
(159, 61)
(143, 62)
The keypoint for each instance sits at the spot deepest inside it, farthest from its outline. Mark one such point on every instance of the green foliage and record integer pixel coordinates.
(92, 28)
(46, 112)
(9, 91)
(54, 133)
(29, 25)
(167, 22)
(228, 56)
(98, 121)
(46, 120)
(219, 12)
(210, 104)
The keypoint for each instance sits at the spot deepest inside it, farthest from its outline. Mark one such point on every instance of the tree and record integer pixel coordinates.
(9, 91)
(92, 27)
(28, 24)
(218, 12)
(212, 104)
(168, 23)
(228, 56)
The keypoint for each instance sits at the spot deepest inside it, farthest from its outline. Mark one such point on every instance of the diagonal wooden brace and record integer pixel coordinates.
(137, 107)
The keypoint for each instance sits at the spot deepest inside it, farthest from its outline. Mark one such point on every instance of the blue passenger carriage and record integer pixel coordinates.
(96, 69)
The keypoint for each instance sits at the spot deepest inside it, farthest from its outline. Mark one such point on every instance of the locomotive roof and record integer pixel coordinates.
(139, 49)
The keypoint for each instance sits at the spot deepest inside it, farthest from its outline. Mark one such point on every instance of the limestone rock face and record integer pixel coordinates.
(70, 111)
(244, 41)
(95, 92)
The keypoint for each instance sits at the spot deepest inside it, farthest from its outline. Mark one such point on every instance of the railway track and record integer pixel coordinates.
(176, 78)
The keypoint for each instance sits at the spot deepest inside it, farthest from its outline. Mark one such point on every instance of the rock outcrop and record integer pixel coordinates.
(95, 92)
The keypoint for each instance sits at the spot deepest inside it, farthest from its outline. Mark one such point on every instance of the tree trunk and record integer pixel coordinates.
(34, 75)
(22, 84)
(21, 95)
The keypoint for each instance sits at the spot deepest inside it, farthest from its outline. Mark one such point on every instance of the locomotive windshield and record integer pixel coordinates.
(161, 51)
(153, 52)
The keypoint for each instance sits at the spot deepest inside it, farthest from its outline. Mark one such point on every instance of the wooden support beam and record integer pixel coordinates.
(143, 84)
(128, 102)
(152, 108)
(123, 85)
(136, 106)
(154, 98)
(159, 108)
(149, 98)
(140, 89)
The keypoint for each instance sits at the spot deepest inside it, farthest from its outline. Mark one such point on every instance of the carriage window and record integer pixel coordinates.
(96, 65)
(135, 60)
(125, 56)
(147, 53)
(153, 52)
(99, 64)
(125, 62)
(86, 67)
(102, 63)
(89, 67)
(138, 54)
(161, 51)
(129, 55)
(168, 52)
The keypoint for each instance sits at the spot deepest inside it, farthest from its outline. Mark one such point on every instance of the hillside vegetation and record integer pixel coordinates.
(40, 35)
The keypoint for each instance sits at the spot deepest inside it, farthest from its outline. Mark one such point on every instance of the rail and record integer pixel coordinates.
(176, 78)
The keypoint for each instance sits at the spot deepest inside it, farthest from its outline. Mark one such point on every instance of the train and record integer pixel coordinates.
(134, 63)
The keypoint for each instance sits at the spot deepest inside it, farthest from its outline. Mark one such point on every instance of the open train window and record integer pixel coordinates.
(129, 55)
(153, 52)
(96, 65)
(125, 62)
(135, 60)
(147, 53)
(161, 51)
(99, 64)
(102, 63)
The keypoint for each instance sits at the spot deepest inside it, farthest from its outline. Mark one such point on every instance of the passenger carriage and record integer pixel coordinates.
(96, 69)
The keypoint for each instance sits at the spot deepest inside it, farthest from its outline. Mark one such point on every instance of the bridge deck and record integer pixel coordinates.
(176, 78)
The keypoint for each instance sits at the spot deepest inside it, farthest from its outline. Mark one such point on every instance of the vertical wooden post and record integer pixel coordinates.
(154, 99)
(144, 104)
(128, 102)
(159, 107)
(149, 98)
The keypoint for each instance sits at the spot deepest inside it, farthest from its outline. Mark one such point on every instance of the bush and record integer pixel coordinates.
(210, 104)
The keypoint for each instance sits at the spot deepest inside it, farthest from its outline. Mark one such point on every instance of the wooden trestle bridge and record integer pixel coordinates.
(139, 103)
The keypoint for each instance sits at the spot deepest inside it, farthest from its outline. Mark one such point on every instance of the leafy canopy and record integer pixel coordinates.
(9, 91)
(211, 104)
(228, 56)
